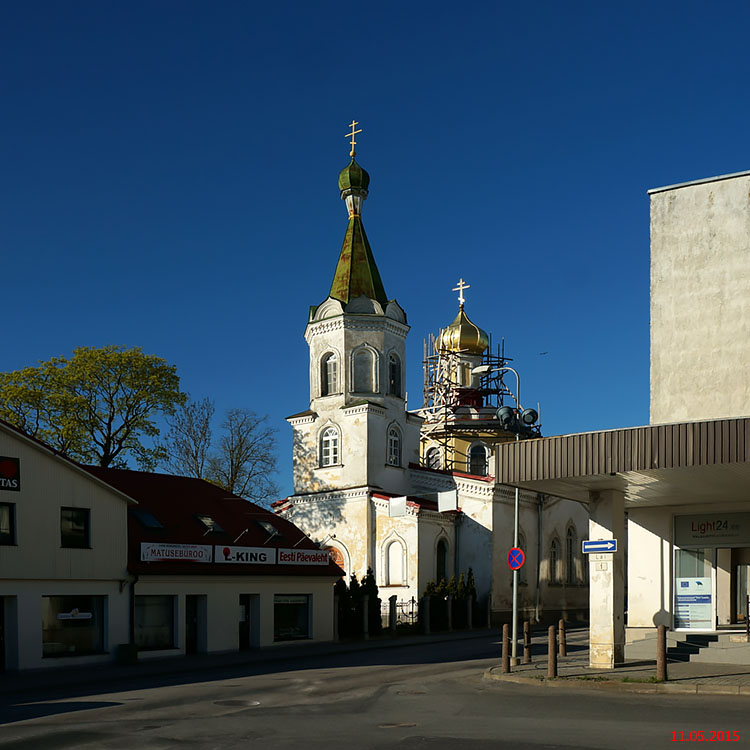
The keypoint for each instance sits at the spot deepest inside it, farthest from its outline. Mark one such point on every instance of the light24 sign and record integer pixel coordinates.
(10, 474)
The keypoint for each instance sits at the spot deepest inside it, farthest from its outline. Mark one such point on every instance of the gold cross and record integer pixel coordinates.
(351, 135)
(460, 289)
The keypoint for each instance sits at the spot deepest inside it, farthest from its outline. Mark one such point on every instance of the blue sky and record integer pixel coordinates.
(168, 180)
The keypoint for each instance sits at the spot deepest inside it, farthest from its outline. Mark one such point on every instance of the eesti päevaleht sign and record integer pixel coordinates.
(10, 474)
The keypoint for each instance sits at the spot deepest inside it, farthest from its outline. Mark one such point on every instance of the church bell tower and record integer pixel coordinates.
(356, 432)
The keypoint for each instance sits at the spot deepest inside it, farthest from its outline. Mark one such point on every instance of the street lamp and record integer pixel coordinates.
(519, 421)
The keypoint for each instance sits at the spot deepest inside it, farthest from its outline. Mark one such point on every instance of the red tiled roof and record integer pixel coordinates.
(176, 501)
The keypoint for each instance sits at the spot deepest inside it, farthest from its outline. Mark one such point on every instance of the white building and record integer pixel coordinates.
(366, 483)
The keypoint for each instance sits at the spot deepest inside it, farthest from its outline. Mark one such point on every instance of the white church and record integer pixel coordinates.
(413, 495)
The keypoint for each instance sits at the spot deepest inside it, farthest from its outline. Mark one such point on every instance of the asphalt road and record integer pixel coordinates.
(428, 696)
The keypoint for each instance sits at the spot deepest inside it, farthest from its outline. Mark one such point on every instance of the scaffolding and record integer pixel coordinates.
(458, 403)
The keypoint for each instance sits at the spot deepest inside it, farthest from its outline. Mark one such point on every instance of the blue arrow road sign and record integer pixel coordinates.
(599, 545)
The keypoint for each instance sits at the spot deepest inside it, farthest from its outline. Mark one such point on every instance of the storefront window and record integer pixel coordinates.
(154, 622)
(72, 625)
(291, 617)
(694, 605)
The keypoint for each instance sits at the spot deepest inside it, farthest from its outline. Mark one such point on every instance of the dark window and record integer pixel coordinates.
(328, 375)
(72, 625)
(442, 559)
(146, 518)
(478, 461)
(433, 459)
(7, 523)
(74, 527)
(154, 622)
(394, 375)
(291, 617)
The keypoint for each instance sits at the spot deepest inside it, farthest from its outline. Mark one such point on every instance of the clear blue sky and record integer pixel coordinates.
(168, 180)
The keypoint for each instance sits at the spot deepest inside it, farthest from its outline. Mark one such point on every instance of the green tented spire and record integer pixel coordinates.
(356, 272)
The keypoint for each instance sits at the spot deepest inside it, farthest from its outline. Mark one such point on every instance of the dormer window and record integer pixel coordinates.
(208, 523)
(328, 374)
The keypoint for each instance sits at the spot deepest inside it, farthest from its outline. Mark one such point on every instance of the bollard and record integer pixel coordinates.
(366, 616)
(562, 644)
(469, 612)
(505, 655)
(551, 653)
(426, 614)
(449, 611)
(392, 614)
(526, 642)
(335, 617)
(661, 653)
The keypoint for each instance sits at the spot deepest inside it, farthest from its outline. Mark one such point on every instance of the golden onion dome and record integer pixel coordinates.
(463, 336)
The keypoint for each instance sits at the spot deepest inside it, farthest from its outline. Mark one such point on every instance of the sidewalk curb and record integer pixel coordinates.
(575, 683)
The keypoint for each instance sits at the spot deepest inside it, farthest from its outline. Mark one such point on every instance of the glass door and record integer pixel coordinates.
(694, 600)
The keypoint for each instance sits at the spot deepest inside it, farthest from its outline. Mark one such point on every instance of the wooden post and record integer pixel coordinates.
(661, 653)
(392, 614)
(551, 653)
(426, 614)
(365, 616)
(505, 655)
(562, 643)
(526, 642)
(335, 617)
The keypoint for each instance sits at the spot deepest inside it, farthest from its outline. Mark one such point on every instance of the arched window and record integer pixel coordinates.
(364, 371)
(433, 459)
(554, 560)
(570, 556)
(328, 374)
(395, 564)
(478, 460)
(394, 447)
(441, 572)
(394, 375)
(329, 447)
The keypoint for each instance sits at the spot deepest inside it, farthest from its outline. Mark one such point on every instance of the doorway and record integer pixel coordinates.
(195, 623)
(249, 624)
(2, 634)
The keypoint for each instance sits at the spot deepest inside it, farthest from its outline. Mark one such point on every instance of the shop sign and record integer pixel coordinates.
(246, 555)
(693, 608)
(74, 614)
(157, 552)
(304, 557)
(712, 530)
(10, 474)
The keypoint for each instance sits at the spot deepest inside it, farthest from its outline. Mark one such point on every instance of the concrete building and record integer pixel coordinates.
(674, 494)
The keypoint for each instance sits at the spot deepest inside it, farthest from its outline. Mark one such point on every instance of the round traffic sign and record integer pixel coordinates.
(516, 558)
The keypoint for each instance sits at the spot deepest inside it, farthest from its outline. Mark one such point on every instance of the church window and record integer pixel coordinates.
(478, 460)
(554, 561)
(433, 459)
(328, 375)
(394, 447)
(394, 375)
(441, 572)
(570, 556)
(364, 371)
(395, 564)
(329, 447)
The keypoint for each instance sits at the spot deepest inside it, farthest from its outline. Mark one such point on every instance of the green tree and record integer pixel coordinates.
(98, 406)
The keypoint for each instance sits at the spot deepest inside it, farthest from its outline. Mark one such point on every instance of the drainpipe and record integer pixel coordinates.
(539, 508)
(131, 623)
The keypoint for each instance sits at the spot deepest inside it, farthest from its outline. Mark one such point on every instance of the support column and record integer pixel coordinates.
(607, 581)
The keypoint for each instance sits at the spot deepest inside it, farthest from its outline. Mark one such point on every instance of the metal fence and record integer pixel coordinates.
(407, 612)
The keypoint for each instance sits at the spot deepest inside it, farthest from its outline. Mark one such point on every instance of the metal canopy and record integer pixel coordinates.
(681, 463)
